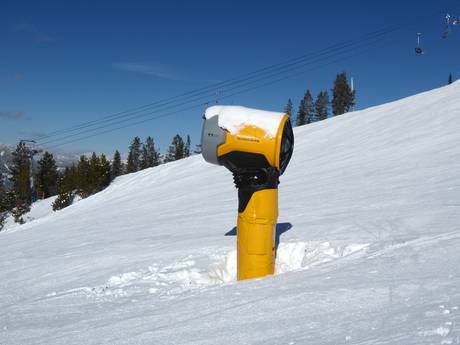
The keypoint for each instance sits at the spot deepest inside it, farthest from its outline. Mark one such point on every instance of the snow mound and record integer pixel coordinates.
(171, 280)
(233, 118)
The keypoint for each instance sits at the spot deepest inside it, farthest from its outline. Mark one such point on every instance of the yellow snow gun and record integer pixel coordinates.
(256, 146)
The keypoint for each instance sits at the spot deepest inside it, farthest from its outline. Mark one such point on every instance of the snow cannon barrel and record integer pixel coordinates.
(256, 146)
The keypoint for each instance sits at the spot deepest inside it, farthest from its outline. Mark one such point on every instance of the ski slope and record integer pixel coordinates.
(39, 209)
(369, 232)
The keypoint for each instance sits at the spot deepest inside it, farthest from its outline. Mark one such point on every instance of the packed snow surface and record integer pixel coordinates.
(233, 118)
(368, 246)
(39, 209)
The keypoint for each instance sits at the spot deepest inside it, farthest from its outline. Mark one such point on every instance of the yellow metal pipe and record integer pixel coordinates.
(256, 228)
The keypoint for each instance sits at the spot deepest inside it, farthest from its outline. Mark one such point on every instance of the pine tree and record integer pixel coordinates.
(83, 177)
(117, 165)
(104, 173)
(47, 175)
(288, 108)
(94, 174)
(134, 155)
(309, 107)
(306, 111)
(7, 200)
(149, 157)
(187, 149)
(301, 114)
(67, 187)
(322, 105)
(450, 79)
(145, 159)
(2, 189)
(342, 97)
(130, 165)
(176, 149)
(3, 207)
(20, 176)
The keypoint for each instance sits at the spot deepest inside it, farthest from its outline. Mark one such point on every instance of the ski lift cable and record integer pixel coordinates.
(144, 114)
(418, 49)
(127, 113)
(199, 105)
(384, 31)
(212, 88)
(200, 98)
(230, 81)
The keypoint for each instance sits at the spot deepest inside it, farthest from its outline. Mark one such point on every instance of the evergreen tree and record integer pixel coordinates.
(144, 160)
(342, 97)
(94, 174)
(7, 201)
(3, 207)
(117, 165)
(130, 165)
(288, 108)
(67, 187)
(20, 176)
(322, 105)
(309, 107)
(187, 149)
(83, 177)
(134, 155)
(149, 156)
(104, 173)
(63, 200)
(2, 188)
(47, 175)
(301, 114)
(305, 113)
(449, 81)
(176, 149)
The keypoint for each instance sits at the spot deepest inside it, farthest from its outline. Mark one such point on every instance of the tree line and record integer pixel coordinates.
(93, 174)
(310, 110)
(82, 179)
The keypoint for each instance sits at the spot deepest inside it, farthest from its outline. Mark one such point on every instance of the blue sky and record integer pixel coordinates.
(64, 63)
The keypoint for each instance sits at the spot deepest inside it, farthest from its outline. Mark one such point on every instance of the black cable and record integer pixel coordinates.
(226, 83)
(202, 104)
(264, 77)
(282, 67)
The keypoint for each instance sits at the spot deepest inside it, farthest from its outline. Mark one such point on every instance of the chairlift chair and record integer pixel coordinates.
(418, 49)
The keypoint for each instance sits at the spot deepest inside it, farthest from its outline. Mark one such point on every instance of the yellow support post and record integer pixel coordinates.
(256, 230)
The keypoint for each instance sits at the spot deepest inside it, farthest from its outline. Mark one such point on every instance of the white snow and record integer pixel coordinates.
(233, 118)
(368, 231)
(39, 209)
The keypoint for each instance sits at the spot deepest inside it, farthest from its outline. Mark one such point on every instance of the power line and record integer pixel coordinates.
(199, 105)
(205, 97)
(225, 86)
(281, 67)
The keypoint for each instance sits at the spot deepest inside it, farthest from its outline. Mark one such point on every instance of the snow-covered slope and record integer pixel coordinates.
(39, 209)
(369, 233)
